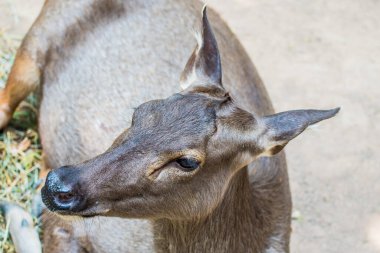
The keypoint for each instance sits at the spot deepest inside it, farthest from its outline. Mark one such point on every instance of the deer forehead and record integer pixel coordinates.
(178, 115)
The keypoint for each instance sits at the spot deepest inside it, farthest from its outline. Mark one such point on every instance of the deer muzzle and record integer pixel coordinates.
(61, 192)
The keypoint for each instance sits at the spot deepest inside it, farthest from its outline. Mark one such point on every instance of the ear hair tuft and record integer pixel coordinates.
(204, 65)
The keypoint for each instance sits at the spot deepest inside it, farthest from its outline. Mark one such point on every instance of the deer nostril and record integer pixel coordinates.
(65, 197)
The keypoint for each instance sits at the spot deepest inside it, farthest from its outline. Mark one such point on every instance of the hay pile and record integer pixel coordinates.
(20, 150)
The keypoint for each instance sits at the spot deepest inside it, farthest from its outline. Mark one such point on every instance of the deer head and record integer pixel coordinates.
(179, 154)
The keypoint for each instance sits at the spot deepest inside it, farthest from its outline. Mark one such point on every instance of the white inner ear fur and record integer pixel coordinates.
(263, 139)
(192, 77)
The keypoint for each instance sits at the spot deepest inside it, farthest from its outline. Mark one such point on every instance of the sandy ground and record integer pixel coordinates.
(310, 54)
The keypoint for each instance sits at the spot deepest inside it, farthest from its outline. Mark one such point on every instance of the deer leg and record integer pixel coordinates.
(23, 79)
(49, 30)
(24, 235)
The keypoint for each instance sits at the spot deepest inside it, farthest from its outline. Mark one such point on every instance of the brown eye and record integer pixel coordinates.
(188, 164)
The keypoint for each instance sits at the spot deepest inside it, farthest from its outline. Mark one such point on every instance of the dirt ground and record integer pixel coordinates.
(310, 54)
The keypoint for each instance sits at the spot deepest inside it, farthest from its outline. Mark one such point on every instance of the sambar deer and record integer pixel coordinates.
(193, 172)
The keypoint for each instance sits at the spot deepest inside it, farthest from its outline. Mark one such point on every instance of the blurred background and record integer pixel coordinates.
(310, 54)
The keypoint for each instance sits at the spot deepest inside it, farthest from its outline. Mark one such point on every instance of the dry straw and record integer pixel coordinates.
(20, 150)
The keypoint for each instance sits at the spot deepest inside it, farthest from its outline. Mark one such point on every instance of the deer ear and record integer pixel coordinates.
(282, 127)
(204, 66)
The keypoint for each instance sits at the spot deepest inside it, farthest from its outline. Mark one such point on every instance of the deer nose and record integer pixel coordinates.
(61, 190)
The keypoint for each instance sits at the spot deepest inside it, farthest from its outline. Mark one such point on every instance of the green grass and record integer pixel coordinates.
(20, 149)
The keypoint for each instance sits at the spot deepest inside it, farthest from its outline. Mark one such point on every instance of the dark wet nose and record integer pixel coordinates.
(61, 191)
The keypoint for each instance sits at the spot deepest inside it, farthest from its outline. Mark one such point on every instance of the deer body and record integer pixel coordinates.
(123, 60)
(96, 61)
(89, 98)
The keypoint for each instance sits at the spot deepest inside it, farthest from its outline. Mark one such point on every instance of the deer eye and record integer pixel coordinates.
(187, 163)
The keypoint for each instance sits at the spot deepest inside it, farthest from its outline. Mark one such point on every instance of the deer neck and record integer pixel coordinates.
(234, 226)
